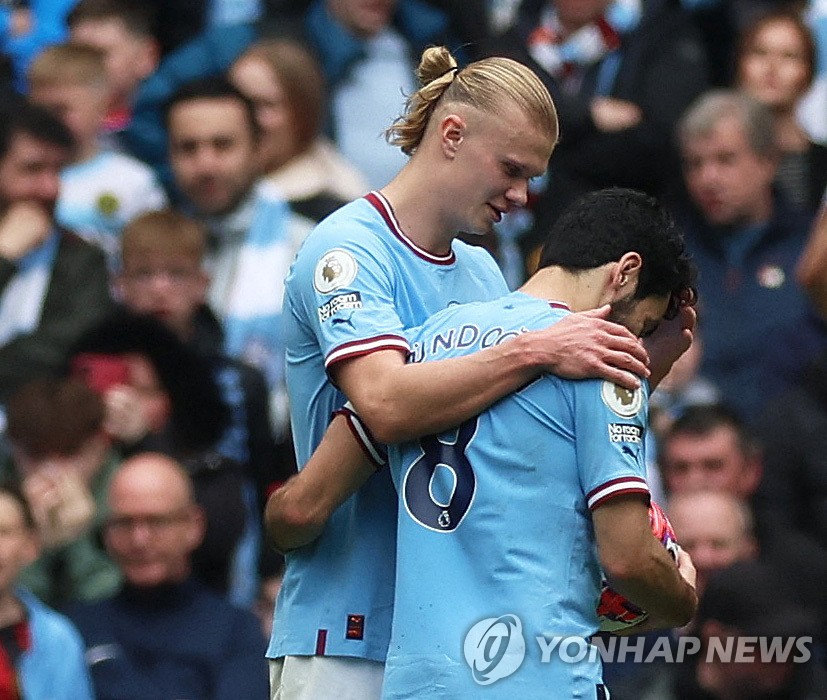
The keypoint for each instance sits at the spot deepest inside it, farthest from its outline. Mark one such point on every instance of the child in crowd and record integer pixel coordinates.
(41, 652)
(101, 190)
(162, 274)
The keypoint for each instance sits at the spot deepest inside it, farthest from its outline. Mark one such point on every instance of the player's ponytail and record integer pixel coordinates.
(436, 71)
(494, 85)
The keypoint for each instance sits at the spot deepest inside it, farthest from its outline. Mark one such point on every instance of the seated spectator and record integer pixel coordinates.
(368, 55)
(253, 235)
(165, 635)
(165, 399)
(41, 653)
(53, 284)
(746, 242)
(610, 67)
(792, 497)
(287, 88)
(715, 527)
(101, 190)
(775, 65)
(64, 461)
(130, 32)
(162, 275)
(123, 31)
(708, 447)
(750, 601)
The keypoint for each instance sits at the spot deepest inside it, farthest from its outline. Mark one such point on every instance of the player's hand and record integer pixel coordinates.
(24, 226)
(124, 417)
(671, 340)
(586, 345)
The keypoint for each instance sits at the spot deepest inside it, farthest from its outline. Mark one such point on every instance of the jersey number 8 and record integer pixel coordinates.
(439, 486)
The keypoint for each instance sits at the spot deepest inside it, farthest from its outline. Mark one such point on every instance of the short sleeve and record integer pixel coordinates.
(610, 424)
(346, 289)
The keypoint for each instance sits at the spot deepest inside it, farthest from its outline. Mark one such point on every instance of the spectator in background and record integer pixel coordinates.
(27, 27)
(715, 527)
(162, 275)
(751, 601)
(101, 190)
(792, 497)
(53, 285)
(368, 53)
(123, 31)
(65, 462)
(164, 634)
(708, 447)
(252, 233)
(610, 67)
(165, 398)
(126, 31)
(286, 85)
(41, 653)
(682, 388)
(775, 65)
(746, 241)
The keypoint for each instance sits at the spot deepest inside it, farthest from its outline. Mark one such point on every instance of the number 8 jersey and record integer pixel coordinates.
(495, 531)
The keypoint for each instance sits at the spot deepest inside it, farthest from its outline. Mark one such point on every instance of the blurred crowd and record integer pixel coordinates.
(160, 165)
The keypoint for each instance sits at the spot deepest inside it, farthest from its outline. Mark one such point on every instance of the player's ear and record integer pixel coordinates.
(451, 132)
(626, 272)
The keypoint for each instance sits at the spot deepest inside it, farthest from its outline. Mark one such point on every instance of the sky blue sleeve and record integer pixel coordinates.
(346, 286)
(610, 424)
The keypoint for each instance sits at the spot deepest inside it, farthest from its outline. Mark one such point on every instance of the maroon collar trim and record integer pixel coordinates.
(382, 205)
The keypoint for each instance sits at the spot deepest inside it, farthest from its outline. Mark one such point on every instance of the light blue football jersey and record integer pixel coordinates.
(357, 283)
(495, 537)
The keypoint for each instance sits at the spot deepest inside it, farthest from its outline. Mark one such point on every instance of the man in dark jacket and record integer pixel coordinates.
(611, 68)
(53, 285)
(165, 635)
(758, 326)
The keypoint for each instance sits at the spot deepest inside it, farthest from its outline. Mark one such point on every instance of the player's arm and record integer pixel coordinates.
(638, 567)
(296, 513)
(400, 401)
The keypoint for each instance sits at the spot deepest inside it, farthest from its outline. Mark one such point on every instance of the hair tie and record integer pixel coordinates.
(442, 75)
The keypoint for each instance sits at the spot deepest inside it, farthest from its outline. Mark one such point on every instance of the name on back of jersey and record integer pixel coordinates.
(468, 336)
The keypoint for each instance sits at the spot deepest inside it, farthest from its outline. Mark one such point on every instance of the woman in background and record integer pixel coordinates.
(286, 84)
(775, 65)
